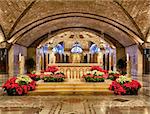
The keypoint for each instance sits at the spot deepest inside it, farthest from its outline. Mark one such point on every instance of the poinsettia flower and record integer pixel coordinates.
(15, 88)
(52, 69)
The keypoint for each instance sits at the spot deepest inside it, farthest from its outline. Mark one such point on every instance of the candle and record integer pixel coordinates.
(127, 57)
(19, 56)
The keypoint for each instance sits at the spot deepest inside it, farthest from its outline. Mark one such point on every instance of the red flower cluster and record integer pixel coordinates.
(132, 85)
(128, 88)
(88, 75)
(52, 69)
(98, 68)
(58, 76)
(113, 76)
(34, 77)
(13, 88)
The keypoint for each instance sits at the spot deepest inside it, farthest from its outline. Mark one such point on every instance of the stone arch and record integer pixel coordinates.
(74, 16)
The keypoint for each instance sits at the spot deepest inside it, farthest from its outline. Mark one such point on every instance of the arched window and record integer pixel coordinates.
(76, 48)
(94, 49)
(58, 49)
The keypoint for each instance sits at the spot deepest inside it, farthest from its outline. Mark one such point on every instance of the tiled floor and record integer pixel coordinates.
(75, 104)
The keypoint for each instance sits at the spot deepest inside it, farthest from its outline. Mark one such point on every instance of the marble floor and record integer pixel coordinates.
(75, 104)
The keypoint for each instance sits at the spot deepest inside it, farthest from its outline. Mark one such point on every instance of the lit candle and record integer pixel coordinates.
(19, 56)
(127, 57)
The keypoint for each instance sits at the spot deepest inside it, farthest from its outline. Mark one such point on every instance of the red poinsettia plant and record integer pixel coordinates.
(98, 68)
(19, 85)
(35, 77)
(125, 86)
(53, 77)
(96, 74)
(52, 69)
(52, 74)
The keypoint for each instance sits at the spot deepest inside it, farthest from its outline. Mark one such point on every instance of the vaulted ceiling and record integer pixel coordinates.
(125, 21)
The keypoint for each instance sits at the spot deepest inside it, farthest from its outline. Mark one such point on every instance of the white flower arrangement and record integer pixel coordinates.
(122, 79)
(99, 73)
(94, 72)
(48, 73)
(23, 78)
(58, 72)
(88, 72)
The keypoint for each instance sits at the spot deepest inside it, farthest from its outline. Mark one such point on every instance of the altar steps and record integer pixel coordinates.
(72, 88)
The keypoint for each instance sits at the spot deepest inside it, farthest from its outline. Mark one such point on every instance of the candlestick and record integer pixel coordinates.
(19, 56)
(127, 57)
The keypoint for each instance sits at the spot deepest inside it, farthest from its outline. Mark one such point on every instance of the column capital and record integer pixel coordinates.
(146, 45)
(4, 45)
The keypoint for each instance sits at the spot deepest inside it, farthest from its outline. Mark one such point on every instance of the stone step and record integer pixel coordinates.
(66, 92)
(71, 89)
(73, 84)
(145, 84)
(84, 87)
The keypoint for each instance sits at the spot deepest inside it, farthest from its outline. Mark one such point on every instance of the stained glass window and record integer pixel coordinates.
(76, 48)
(94, 49)
(59, 48)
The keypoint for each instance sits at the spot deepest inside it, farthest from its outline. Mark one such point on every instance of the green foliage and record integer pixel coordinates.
(89, 79)
(52, 79)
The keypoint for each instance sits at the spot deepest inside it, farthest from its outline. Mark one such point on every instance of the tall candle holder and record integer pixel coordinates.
(128, 66)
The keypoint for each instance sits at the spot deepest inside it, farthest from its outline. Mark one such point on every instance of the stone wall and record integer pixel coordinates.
(31, 53)
(120, 53)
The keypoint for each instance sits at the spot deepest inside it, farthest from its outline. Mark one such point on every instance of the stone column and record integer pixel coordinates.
(60, 58)
(38, 61)
(42, 60)
(146, 69)
(114, 60)
(88, 58)
(146, 63)
(106, 62)
(64, 58)
(100, 59)
(46, 60)
(109, 61)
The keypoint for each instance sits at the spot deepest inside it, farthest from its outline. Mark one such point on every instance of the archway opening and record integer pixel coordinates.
(77, 47)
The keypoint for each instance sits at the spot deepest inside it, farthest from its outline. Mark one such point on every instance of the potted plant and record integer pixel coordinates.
(19, 85)
(52, 74)
(125, 86)
(96, 74)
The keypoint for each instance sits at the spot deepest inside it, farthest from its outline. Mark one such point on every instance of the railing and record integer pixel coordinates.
(74, 71)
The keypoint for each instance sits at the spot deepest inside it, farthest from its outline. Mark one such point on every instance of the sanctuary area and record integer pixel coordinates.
(74, 56)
